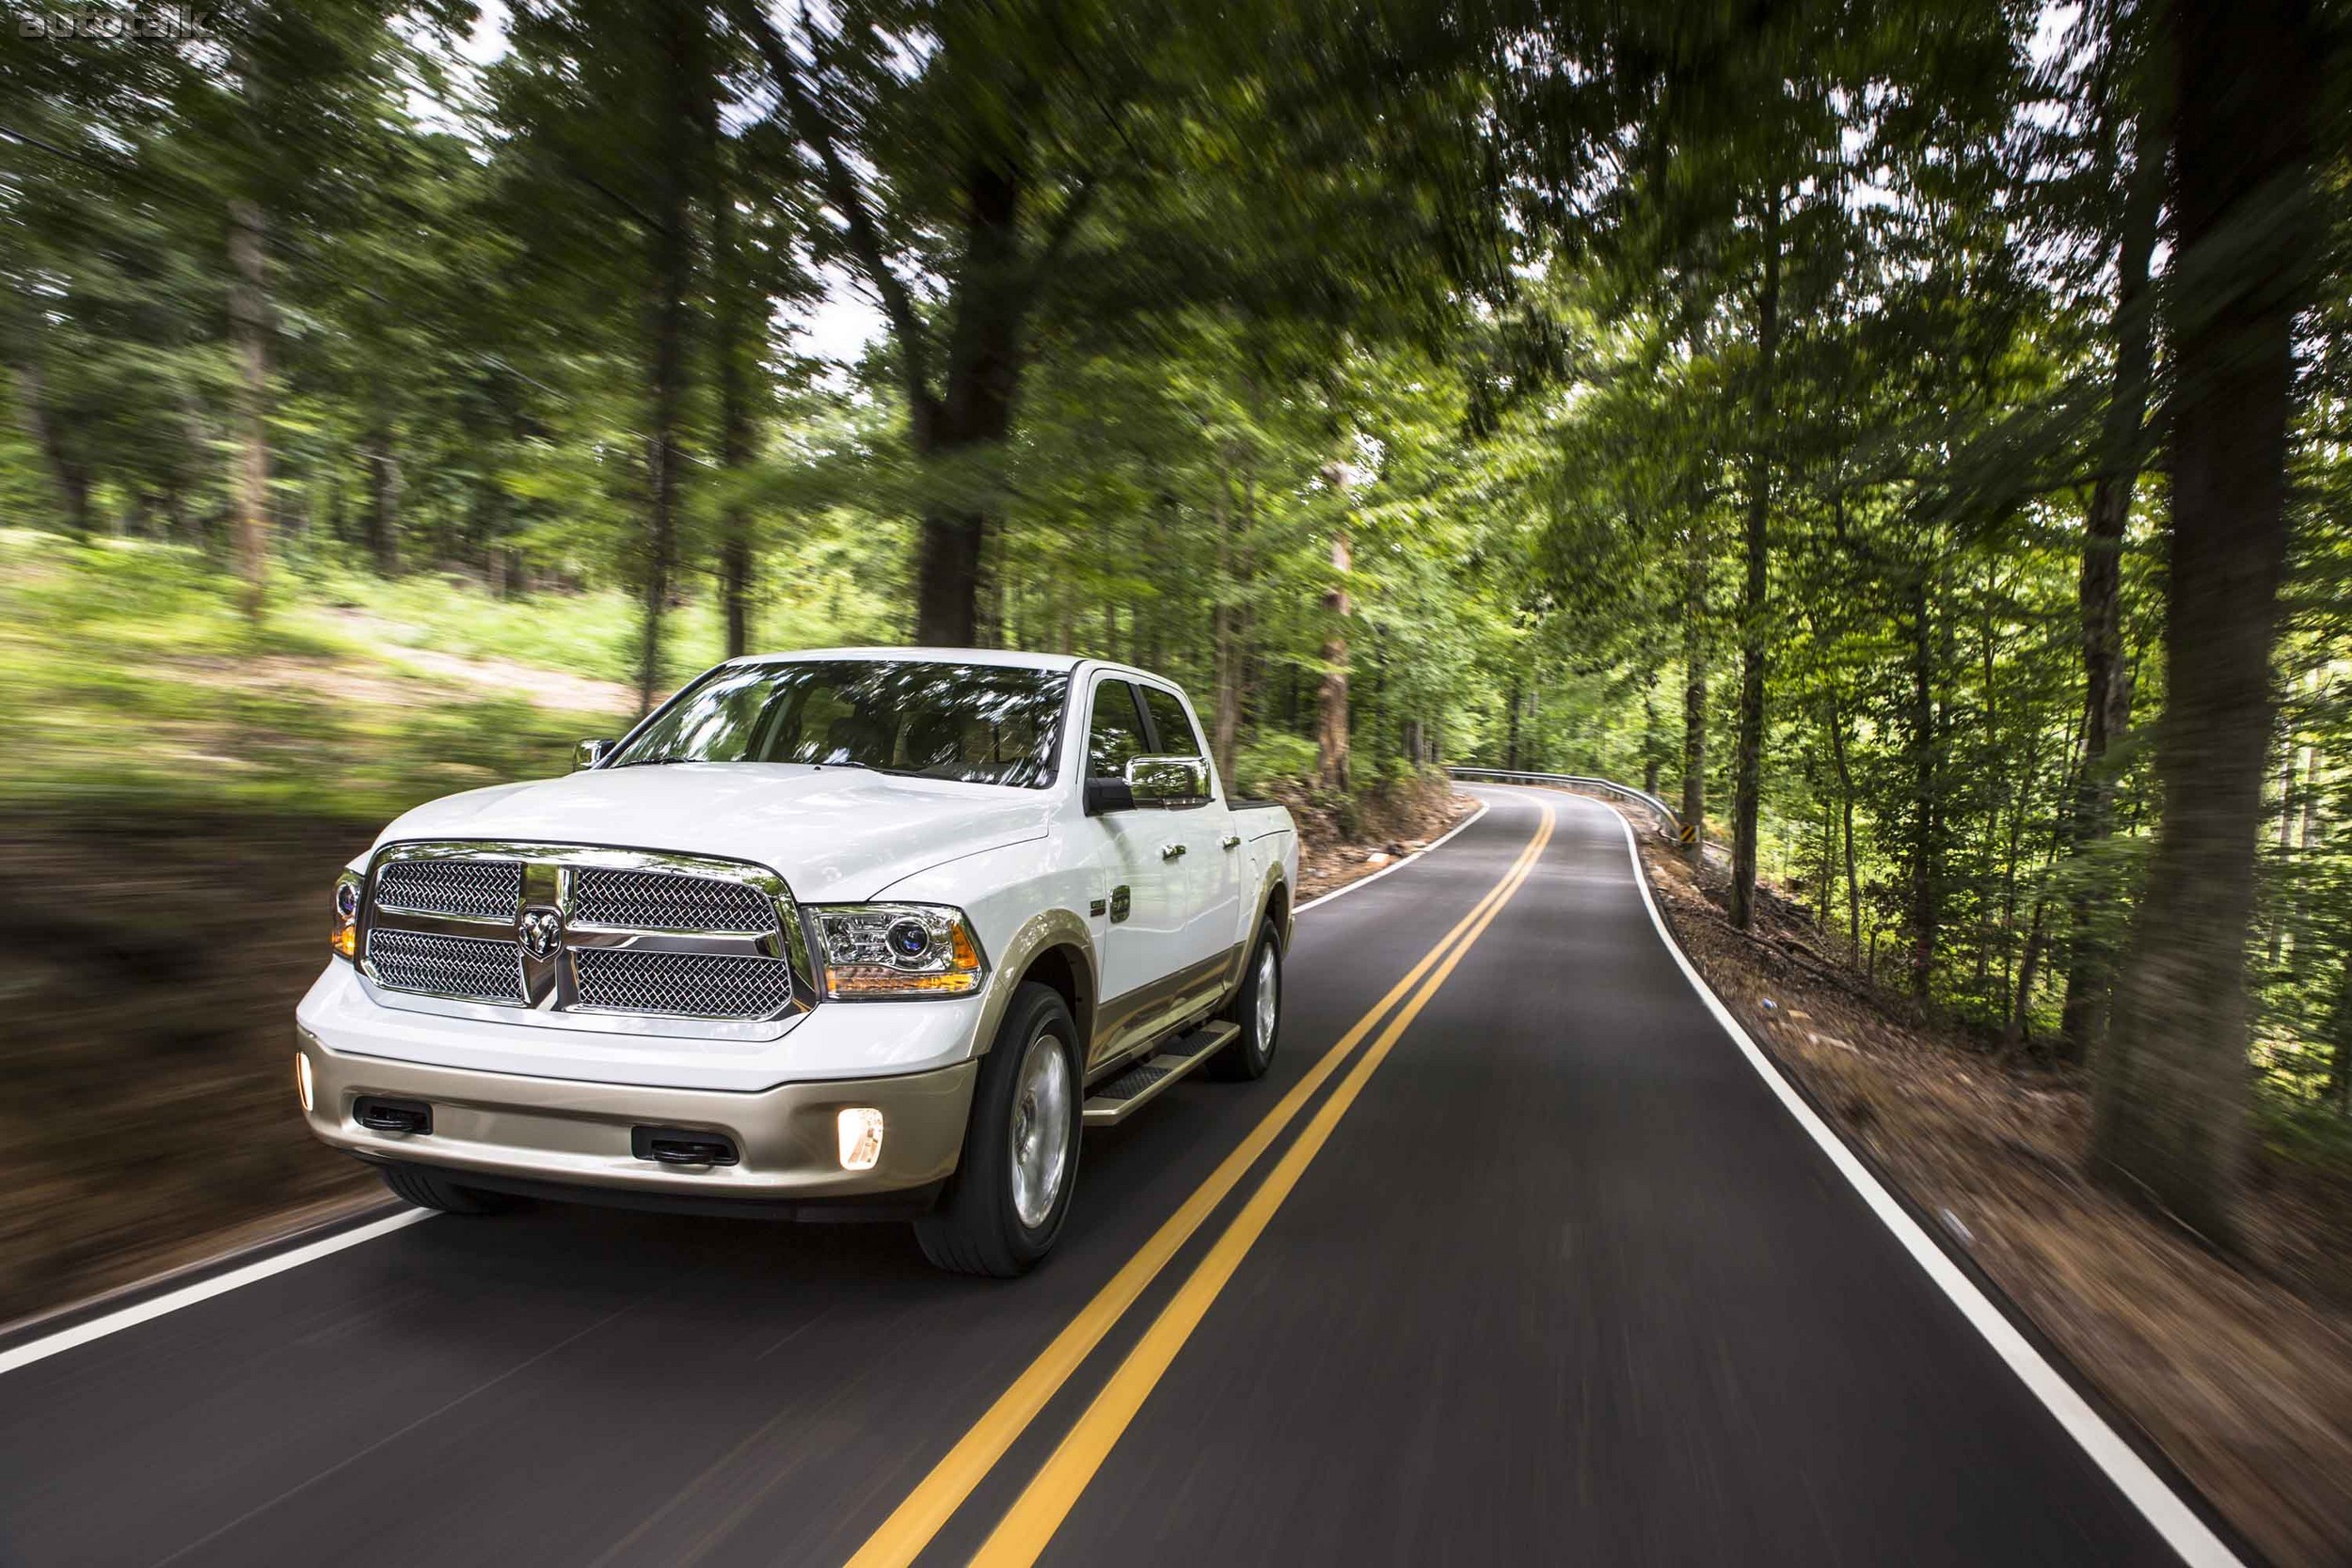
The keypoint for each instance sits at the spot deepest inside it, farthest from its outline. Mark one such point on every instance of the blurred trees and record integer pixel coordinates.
(1873, 424)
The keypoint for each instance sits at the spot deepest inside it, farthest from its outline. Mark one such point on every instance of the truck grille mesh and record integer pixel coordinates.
(447, 966)
(691, 985)
(482, 888)
(664, 901)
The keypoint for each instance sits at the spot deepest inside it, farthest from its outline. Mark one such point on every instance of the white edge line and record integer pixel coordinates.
(171, 1301)
(1367, 881)
(2171, 1518)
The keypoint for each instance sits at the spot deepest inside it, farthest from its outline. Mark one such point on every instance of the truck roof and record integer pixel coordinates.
(1007, 657)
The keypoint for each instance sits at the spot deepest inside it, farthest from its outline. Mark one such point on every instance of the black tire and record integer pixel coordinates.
(1248, 1055)
(976, 1226)
(431, 1189)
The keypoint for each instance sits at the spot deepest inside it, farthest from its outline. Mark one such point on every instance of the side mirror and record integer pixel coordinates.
(1104, 795)
(1169, 780)
(589, 753)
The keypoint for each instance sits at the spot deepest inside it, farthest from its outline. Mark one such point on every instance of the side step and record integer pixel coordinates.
(1117, 1100)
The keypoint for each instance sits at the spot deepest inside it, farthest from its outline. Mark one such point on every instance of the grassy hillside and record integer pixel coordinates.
(128, 676)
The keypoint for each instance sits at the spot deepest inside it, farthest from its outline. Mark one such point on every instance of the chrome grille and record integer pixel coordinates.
(691, 985)
(664, 901)
(447, 966)
(611, 931)
(483, 889)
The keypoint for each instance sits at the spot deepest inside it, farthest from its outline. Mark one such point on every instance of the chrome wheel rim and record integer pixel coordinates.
(1269, 1002)
(1040, 1131)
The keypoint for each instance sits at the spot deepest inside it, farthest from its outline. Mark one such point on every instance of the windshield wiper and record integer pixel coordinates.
(893, 773)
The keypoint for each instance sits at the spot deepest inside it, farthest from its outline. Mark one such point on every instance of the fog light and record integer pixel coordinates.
(861, 1129)
(302, 1081)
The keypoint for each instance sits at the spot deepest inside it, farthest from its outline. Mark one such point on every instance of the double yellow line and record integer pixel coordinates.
(1041, 1509)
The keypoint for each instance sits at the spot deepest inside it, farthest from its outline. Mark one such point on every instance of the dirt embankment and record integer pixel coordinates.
(2239, 1368)
(151, 966)
(1342, 841)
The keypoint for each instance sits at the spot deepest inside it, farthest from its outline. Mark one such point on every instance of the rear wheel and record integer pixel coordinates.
(1256, 1009)
(1004, 1204)
(431, 1189)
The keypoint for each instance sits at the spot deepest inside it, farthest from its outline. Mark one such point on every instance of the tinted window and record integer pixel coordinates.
(1115, 735)
(981, 724)
(1173, 724)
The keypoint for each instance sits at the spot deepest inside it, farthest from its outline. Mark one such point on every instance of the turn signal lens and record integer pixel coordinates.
(861, 1132)
(344, 936)
(869, 951)
(303, 1090)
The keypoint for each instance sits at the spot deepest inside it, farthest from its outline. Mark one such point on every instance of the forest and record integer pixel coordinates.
(1908, 436)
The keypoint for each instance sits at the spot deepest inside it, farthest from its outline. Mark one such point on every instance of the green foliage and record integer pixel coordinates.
(127, 673)
(1475, 297)
(1274, 761)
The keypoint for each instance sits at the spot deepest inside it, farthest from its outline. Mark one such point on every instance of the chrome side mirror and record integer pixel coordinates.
(1169, 780)
(589, 753)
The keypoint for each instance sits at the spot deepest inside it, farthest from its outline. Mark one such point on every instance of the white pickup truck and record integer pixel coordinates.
(857, 933)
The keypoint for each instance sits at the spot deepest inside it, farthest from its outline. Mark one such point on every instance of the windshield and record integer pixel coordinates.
(981, 724)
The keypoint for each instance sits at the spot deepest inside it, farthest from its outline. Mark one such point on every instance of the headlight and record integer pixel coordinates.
(344, 938)
(870, 950)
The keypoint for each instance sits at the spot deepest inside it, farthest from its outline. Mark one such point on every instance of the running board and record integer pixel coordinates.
(1117, 1100)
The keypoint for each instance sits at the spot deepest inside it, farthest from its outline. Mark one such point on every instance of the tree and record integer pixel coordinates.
(2170, 1108)
(994, 227)
(2122, 446)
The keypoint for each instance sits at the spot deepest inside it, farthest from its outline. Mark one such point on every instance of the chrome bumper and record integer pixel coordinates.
(553, 1130)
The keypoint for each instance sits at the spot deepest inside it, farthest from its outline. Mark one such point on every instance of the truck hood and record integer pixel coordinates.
(835, 834)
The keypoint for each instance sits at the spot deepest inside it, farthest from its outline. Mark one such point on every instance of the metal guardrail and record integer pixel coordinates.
(1668, 822)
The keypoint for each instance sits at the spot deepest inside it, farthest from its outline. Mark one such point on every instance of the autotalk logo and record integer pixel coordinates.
(149, 24)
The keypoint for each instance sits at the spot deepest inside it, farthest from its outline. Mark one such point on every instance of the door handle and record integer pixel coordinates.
(1231, 841)
(1170, 851)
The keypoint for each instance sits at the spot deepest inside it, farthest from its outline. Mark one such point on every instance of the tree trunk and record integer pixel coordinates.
(2169, 1102)
(69, 475)
(2029, 972)
(671, 255)
(961, 438)
(2276, 949)
(1649, 721)
(737, 351)
(248, 333)
(1694, 694)
(382, 498)
(1844, 811)
(2338, 1034)
(1331, 768)
(1748, 763)
(2107, 694)
(1927, 809)
(1511, 745)
(1226, 630)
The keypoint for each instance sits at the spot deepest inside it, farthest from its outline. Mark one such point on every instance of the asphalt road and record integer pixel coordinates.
(1547, 1274)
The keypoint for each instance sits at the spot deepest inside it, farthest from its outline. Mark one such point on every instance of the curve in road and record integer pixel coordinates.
(1535, 1266)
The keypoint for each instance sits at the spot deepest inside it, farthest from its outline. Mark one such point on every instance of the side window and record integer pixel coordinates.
(1116, 734)
(1177, 735)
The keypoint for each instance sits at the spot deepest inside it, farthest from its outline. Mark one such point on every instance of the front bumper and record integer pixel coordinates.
(577, 1133)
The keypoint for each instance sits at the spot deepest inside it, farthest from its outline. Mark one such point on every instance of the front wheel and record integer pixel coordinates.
(1004, 1204)
(1256, 1009)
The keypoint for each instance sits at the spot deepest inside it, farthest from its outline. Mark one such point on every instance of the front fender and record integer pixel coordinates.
(1021, 899)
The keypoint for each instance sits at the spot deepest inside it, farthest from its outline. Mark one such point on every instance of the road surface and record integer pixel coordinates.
(1528, 1265)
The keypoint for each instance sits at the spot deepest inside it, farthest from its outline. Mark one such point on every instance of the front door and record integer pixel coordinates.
(1141, 932)
(1208, 872)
